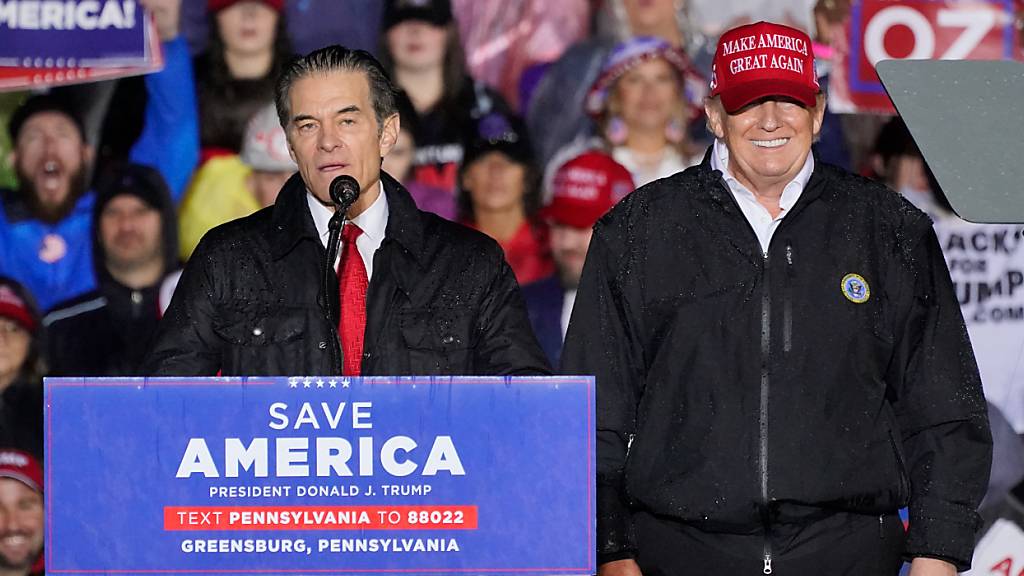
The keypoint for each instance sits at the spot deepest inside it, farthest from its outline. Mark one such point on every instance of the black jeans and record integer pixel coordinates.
(839, 544)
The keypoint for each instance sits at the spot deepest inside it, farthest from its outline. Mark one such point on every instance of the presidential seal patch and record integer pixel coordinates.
(856, 288)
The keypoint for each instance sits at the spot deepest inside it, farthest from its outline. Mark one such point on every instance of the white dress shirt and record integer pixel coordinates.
(567, 302)
(373, 221)
(757, 215)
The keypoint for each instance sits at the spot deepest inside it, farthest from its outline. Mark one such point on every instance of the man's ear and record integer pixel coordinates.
(12, 159)
(88, 153)
(819, 114)
(389, 134)
(714, 113)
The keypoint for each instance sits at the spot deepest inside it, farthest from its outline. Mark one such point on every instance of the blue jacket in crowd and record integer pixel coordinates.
(54, 261)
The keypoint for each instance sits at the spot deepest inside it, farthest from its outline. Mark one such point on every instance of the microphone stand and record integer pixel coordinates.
(333, 244)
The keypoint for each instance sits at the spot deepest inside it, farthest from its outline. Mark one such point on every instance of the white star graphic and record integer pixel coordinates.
(319, 383)
(333, 383)
(345, 383)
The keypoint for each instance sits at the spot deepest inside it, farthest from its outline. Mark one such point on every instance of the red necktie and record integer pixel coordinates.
(352, 284)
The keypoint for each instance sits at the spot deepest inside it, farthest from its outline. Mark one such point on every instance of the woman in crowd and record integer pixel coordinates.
(235, 76)
(421, 50)
(398, 164)
(643, 102)
(500, 197)
(21, 370)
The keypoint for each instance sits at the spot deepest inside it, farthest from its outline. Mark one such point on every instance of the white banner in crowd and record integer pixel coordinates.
(716, 16)
(986, 262)
(1000, 552)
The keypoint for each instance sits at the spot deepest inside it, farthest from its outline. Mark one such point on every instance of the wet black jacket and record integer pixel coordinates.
(442, 300)
(736, 391)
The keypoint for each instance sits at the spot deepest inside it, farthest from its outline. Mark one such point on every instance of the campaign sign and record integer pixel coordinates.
(52, 43)
(72, 33)
(320, 475)
(915, 29)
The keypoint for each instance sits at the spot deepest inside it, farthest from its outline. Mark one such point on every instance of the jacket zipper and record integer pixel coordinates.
(766, 341)
(136, 298)
(787, 306)
(903, 487)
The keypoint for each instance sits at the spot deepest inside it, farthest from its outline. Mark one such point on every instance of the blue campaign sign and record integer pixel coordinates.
(320, 475)
(73, 34)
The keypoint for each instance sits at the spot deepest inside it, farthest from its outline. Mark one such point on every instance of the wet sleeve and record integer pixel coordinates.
(185, 343)
(506, 345)
(600, 342)
(942, 415)
(170, 134)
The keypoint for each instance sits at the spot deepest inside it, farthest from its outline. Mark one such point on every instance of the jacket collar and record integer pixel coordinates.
(711, 179)
(292, 221)
(713, 183)
(405, 220)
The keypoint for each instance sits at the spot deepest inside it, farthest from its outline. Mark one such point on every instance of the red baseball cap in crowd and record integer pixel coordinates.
(13, 306)
(21, 466)
(763, 59)
(217, 5)
(586, 187)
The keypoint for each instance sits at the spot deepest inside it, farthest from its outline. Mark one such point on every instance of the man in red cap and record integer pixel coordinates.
(21, 514)
(582, 190)
(781, 362)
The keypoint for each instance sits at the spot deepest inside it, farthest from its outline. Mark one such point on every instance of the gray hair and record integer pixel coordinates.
(338, 59)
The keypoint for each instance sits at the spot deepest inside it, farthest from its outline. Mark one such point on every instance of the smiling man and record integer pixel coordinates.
(417, 293)
(781, 362)
(21, 514)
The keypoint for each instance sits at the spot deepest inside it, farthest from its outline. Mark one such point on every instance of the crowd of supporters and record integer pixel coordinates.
(114, 184)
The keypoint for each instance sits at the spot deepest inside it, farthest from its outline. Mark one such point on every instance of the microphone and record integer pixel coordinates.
(344, 191)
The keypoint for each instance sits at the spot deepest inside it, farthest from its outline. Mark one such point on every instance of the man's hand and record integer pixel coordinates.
(931, 567)
(627, 567)
(167, 15)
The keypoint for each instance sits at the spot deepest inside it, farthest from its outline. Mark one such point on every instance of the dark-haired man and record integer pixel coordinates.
(417, 294)
(21, 514)
(107, 331)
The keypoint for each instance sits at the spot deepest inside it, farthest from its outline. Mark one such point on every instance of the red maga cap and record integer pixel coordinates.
(21, 466)
(14, 307)
(586, 187)
(763, 59)
(217, 5)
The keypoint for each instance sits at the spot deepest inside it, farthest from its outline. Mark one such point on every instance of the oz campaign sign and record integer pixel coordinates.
(320, 475)
(49, 42)
(914, 29)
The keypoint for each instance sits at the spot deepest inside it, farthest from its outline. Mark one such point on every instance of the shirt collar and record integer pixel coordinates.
(373, 221)
(790, 194)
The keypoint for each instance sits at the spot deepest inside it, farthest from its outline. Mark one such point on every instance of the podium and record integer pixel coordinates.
(320, 475)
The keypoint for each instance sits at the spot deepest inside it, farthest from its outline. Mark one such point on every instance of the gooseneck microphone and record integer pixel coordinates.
(344, 190)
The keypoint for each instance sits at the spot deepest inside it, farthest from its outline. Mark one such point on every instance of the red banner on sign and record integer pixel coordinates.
(320, 517)
(26, 77)
(914, 29)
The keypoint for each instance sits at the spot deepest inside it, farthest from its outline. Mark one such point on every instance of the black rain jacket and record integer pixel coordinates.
(737, 390)
(442, 300)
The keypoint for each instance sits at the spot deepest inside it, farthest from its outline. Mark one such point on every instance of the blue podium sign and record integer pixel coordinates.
(320, 475)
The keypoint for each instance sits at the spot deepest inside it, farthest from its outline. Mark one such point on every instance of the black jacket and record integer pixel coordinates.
(736, 391)
(442, 300)
(21, 417)
(107, 331)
